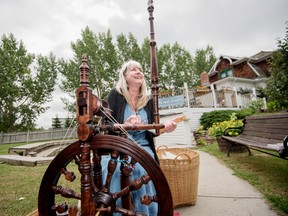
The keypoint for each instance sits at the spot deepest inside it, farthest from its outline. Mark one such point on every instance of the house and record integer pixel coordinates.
(241, 72)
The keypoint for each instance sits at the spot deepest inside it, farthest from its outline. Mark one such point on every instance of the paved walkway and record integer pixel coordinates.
(222, 193)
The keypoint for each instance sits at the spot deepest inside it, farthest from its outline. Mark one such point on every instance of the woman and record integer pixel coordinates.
(131, 104)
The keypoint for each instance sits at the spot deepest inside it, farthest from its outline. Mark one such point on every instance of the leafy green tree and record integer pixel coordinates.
(69, 122)
(145, 59)
(26, 84)
(203, 61)
(128, 48)
(175, 67)
(175, 64)
(56, 123)
(102, 60)
(276, 90)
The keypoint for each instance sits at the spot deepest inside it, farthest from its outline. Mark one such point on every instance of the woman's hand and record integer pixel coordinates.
(133, 120)
(170, 126)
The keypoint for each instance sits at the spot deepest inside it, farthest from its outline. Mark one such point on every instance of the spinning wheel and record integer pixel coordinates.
(94, 144)
(101, 199)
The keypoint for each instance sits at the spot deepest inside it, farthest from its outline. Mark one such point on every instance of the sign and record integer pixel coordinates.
(171, 101)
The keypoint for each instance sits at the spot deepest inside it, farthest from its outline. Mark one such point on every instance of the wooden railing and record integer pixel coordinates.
(207, 99)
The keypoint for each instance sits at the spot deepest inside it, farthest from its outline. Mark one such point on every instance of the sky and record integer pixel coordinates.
(238, 28)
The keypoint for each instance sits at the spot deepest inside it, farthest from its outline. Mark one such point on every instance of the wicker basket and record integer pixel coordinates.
(182, 174)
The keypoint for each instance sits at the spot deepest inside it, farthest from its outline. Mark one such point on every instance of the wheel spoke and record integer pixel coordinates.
(147, 200)
(111, 169)
(66, 192)
(97, 170)
(124, 211)
(134, 185)
(69, 176)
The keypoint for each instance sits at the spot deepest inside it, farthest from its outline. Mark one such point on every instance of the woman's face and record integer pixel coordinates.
(134, 76)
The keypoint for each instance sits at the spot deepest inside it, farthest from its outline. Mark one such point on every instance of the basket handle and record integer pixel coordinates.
(161, 146)
(183, 154)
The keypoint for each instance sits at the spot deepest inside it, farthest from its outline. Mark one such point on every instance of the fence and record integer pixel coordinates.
(36, 136)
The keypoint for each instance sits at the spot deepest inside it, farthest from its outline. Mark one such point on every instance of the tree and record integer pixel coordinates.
(56, 123)
(128, 48)
(175, 67)
(276, 89)
(175, 64)
(145, 60)
(69, 122)
(23, 89)
(203, 60)
(102, 60)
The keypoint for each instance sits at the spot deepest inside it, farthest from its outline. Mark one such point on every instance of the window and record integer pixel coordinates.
(226, 73)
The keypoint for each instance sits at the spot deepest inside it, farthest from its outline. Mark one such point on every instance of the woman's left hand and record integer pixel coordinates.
(170, 126)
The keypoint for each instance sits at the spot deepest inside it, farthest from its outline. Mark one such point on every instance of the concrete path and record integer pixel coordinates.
(221, 193)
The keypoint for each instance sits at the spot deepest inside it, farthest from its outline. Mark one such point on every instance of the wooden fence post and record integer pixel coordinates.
(51, 134)
(27, 137)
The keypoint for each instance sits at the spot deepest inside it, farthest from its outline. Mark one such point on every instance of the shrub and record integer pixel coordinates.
(219, 128)
(241, 114)
(200, 130)
(202, 142)
(209, 118)
(273, 106)
(256, 105)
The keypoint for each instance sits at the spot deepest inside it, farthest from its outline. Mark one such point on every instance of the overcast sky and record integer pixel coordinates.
(231, 27)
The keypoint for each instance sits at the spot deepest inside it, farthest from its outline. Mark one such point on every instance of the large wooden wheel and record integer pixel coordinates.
(100, 201)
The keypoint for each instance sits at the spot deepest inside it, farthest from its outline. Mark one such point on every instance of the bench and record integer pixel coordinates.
(267, 133)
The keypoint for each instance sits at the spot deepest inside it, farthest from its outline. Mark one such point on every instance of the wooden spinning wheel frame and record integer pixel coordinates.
(94, 143)
(102, 145)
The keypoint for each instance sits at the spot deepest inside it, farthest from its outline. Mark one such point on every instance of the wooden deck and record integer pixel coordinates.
(24, 160)
(34, 154)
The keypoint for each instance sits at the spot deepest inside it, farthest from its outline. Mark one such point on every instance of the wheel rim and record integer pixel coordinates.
(46, 197)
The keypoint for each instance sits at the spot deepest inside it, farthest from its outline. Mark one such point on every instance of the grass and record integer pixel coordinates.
(19, 188)
(19, 184)
(266, 173)
(4, 148)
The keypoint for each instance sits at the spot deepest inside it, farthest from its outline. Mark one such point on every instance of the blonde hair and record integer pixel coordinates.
(122, 87)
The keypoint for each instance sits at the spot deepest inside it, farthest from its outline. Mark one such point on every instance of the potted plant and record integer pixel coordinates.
(231, 127)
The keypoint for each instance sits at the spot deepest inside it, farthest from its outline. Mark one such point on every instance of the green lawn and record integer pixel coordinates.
(4, 148)
(19, 188)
